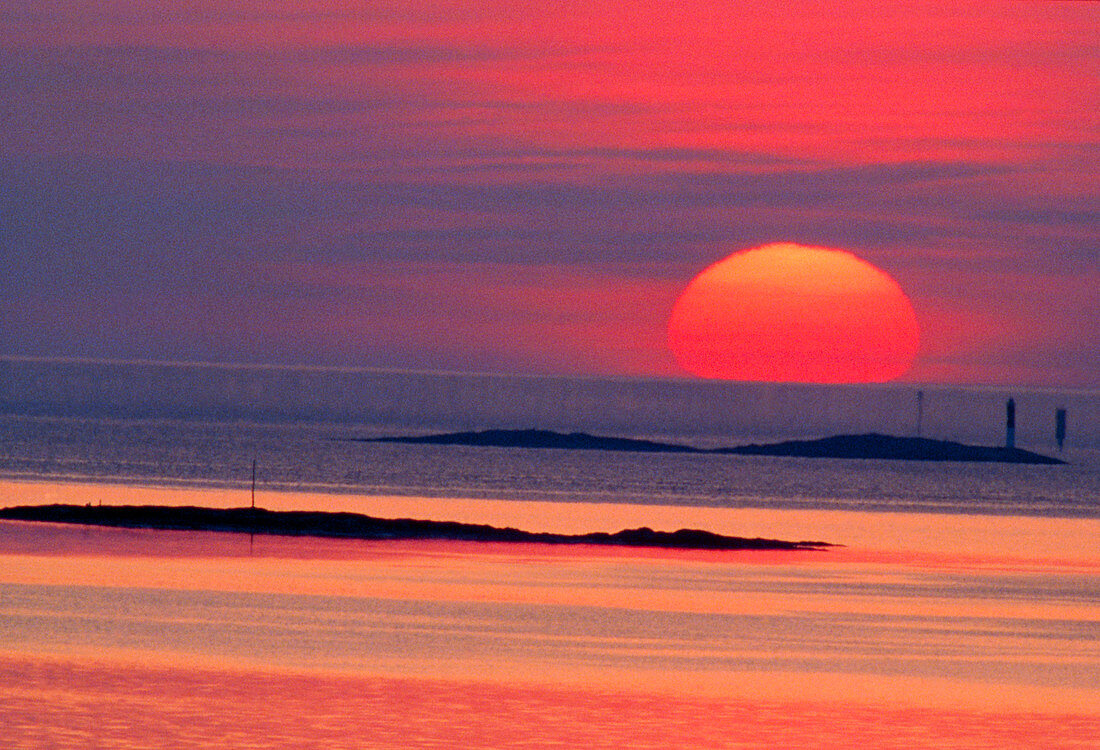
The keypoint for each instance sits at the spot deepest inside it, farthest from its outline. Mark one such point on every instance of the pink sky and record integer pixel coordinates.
(526, 187)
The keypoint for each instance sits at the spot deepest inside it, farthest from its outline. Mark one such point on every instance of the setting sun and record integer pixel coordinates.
(790, 313)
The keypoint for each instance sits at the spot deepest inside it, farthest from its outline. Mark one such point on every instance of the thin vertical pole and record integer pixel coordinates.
(252, 530)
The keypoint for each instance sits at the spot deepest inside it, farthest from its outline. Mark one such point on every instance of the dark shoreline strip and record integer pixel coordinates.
(357, 526)
(867, 446)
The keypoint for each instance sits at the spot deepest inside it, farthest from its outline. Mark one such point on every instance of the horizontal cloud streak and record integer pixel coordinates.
(192, 162)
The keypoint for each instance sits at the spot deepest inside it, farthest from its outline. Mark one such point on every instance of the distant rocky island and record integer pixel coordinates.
(358, 526)
(870, 446)
(539, 439)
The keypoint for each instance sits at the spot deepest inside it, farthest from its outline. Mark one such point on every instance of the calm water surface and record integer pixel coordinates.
(318, 456)
(964, 610)
(289, 642)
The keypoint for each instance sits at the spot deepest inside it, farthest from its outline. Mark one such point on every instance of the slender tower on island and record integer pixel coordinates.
(1010, 423)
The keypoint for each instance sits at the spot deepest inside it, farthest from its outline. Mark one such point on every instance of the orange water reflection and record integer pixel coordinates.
(1060, 540)
(96, 704)
(347, 643)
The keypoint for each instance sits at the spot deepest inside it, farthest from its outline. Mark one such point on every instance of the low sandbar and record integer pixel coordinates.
(865, 446)
(358, 526)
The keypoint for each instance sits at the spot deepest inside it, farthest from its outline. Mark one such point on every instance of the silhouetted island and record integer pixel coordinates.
(538, 439)
(891, 447)
(357, 526)
(870, 445)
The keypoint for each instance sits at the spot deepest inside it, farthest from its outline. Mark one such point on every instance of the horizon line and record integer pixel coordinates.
(686, 379)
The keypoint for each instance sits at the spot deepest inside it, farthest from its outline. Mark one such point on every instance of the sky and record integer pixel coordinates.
(528, 186)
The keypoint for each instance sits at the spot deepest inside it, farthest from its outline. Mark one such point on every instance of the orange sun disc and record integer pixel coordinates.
(791, 313)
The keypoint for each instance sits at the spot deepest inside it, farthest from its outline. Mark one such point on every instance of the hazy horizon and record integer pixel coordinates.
(420, 400)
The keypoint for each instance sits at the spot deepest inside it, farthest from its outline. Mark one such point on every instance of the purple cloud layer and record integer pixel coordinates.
(384, 184)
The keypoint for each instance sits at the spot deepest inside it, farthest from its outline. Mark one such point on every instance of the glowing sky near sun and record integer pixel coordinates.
(529, 187)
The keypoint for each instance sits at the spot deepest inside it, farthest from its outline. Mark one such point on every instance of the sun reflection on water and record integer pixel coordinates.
(127, 638)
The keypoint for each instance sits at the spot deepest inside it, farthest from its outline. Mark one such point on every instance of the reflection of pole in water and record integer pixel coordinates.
(920, 411)
(1060, 427)
(252, 529)
(1010, 423)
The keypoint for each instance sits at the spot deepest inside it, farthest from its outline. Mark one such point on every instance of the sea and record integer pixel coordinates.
(959, 607)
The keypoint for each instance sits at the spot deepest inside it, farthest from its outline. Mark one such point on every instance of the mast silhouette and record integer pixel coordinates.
(252, 530)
